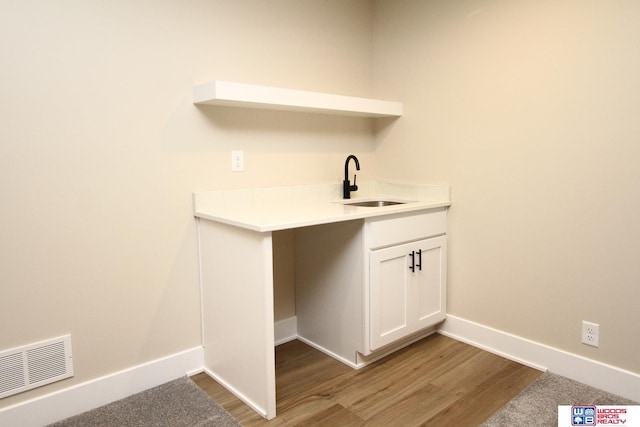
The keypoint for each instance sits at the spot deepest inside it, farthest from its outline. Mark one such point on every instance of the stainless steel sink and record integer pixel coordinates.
(375, 203)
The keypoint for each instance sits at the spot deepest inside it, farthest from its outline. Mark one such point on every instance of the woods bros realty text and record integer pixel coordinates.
(596, 415)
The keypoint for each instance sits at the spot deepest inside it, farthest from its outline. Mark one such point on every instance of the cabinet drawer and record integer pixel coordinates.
(407, 227)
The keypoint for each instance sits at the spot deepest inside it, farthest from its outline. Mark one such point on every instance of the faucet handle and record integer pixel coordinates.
(354, 187)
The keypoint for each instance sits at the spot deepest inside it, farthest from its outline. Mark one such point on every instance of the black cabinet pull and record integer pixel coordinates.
(412, 267)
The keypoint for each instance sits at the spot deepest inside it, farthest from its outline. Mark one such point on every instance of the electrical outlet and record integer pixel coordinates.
(590, 333)
(237, 161)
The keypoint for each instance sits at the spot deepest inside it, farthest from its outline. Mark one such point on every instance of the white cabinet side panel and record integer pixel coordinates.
(329, 277)
(237, 287)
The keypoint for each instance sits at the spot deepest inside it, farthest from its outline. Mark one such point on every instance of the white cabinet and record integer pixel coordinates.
(356, 298)
(406, 289)
(407, 276)
(362, 287)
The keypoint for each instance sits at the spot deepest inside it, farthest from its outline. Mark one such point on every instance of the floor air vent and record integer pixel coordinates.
(35, 365)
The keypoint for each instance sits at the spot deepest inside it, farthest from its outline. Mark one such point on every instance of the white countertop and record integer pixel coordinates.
(280, 208)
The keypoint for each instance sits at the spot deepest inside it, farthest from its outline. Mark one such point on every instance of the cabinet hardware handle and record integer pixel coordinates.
(419, 264)
(412, 267)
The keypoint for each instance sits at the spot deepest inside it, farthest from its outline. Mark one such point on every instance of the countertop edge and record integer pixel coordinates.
(358, 213)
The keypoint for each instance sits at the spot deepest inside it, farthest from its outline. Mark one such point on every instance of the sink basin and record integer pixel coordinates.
(375, 203)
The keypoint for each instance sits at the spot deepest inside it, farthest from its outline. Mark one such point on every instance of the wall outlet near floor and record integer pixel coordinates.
(590, 333)
(237, 161)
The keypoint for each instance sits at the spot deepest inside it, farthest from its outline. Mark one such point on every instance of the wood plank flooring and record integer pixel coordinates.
(434, 382)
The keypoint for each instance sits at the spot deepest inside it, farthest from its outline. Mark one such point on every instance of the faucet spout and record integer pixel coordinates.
(347, 188)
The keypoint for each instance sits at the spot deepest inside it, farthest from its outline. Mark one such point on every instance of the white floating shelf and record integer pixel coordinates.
(271, 98)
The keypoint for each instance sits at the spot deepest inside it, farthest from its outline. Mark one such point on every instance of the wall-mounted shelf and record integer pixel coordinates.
(271, 98)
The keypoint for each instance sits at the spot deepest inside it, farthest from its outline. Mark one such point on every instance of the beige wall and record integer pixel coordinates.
(101, 148)
(527, 108)
(530, 110)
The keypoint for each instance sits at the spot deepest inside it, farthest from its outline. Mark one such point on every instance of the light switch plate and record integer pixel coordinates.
(237, 161)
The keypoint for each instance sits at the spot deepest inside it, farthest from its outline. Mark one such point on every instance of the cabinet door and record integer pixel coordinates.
(389, 288)
(429, 283)
(404, 300)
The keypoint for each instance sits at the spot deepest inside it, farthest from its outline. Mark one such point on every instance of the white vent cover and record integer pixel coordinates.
(35, 365)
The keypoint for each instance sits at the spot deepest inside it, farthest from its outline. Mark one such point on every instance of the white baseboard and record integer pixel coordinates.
(328, 353)
(237, 393)
(82, 397)
(285, 330)
(539, 356)
(79, 398)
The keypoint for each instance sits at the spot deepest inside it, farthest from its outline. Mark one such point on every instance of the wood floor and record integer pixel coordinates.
(435, 382)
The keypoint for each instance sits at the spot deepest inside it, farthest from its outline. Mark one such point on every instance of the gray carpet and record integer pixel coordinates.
(537, 405)
(178, 403)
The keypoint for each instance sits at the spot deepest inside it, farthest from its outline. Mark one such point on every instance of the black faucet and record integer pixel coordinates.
(347, 188)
